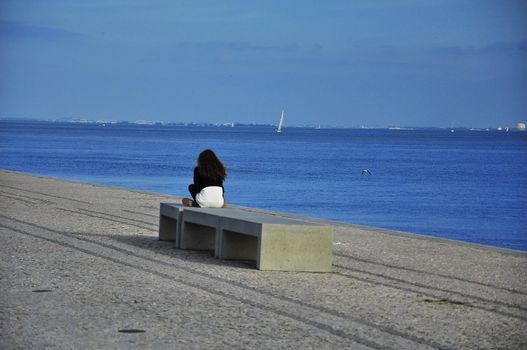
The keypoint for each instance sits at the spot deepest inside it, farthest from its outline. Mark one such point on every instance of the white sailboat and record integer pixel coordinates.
(281, 123)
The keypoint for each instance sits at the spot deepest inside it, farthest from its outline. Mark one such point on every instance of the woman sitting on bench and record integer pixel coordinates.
(207, 190)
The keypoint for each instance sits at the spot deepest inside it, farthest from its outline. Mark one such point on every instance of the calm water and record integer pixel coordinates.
(465, 185)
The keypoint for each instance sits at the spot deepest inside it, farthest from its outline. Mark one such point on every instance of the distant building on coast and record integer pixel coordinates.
(520, 126)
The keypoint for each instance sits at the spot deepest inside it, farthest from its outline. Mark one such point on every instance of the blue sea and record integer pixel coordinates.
(464, 185)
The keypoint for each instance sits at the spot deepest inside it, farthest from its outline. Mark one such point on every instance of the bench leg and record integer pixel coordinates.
(168, 229)
(237, 246)
(306, 248)
(197, 237)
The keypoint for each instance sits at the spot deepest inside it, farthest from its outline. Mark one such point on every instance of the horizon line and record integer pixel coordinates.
(80, 120)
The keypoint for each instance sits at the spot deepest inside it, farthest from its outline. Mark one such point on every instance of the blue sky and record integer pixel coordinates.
(341, 63)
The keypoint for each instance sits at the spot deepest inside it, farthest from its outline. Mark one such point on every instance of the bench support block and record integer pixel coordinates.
(169, 222)
(167, 228)
(197, 237)
(237, 246)
(294, 248)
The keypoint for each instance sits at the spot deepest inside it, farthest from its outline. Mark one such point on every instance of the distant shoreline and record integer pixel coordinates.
(147, 123)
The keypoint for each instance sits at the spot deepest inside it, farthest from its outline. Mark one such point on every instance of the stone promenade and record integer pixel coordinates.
(81, 268)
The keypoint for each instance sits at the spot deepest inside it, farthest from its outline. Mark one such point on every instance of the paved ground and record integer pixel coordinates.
(79, 263)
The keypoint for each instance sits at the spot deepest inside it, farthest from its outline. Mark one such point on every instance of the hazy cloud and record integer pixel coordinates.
(239, 46)
(519, 47)
(19, 30)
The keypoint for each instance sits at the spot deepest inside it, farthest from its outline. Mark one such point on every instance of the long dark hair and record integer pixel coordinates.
(210, 166)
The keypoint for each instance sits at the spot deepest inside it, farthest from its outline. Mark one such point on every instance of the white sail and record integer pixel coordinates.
(281, 123)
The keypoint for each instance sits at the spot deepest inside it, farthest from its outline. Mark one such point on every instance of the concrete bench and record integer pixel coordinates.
(276, 243)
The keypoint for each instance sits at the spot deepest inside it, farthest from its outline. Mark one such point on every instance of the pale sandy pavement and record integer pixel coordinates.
(95, 250)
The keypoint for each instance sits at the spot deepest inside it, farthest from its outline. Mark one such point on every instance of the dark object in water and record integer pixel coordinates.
(131, 330)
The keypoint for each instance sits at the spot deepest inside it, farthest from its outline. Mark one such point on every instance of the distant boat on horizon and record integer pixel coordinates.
(281, 123)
